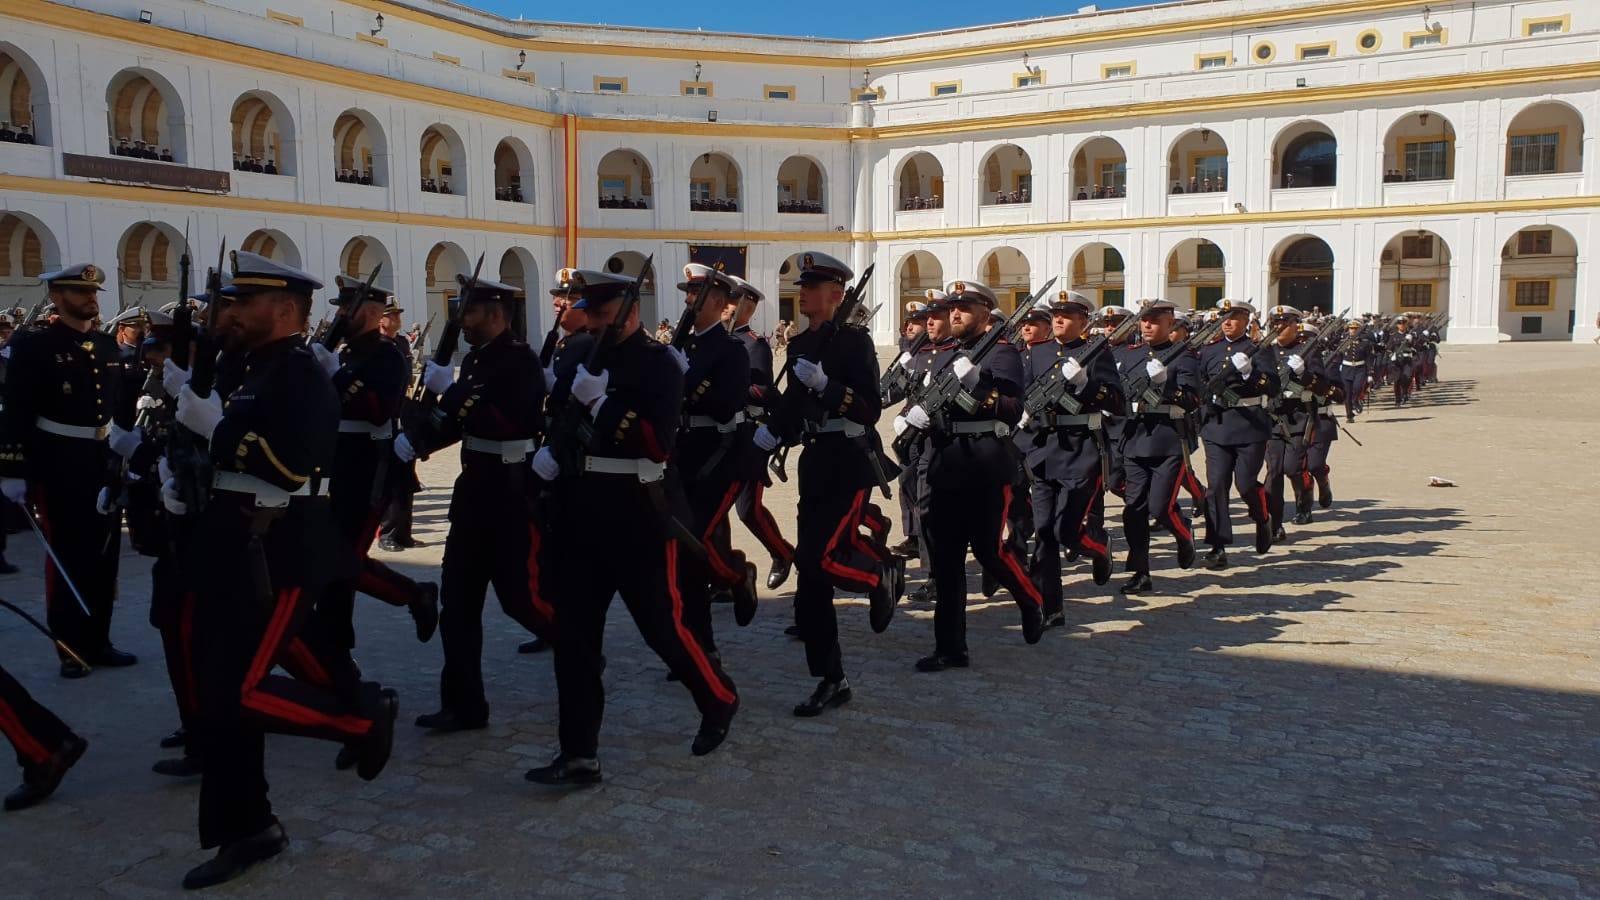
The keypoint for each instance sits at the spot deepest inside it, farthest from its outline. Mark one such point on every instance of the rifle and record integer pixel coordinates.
(424, 399)
(33, 314)
(685, 329)
(335, 332)
(1218, 386)
(1287, 377)
(547, 353)
(896, 382)
(187, 454)
(944, 387)
(422, 337)
(1053, 391)
(1136, 385)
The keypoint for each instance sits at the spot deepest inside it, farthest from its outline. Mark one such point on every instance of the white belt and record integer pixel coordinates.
(1160, 409)
(988, 426)
(722, 427)
(508, 451)
(837, 426)
(376, 432)
(1356, 363)
(1093, 421)
(84, 432)
(647, 470)
(267, 495)
(1248, 401)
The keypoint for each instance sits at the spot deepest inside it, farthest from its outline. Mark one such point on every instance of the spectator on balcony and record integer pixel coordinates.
(1411, 174)
(7, 133)
(271, 168)
(166, 155)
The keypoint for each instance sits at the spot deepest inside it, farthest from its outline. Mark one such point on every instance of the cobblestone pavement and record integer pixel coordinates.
(1402, 701)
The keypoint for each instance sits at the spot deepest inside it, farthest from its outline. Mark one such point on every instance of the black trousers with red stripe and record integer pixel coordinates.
(1068, 514)
(963, 515)
(1152, 485)
(237, 645)
(840, 547)
(1240, 466)
(336, 608)
(172, 615)
(754, 514)
(34, 732)
(711, 501)
(629, 557)
(89, 545)
(1286, 462)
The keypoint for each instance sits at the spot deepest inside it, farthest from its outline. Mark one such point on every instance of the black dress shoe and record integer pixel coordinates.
(39, 782)
(1185, 553)
(374, 751)
(7, 567)
(922, 593)
(1032, 620)
(112, 658)
(566, 771)
(425, 610)
(179, 767)
(1279, 535)
(347, 758)
(827, 695)
(537, 645)
(711, 735)
(390, 545)
(938, 662)
(447, 721)
(1303, 518)
(1101, 563)
(744, 597)
(988, 585)
(907, 548)
(722, 596)
(236, 858)
(176, 739)
(1139, 584)
(71, 668)
(778, 574)
(1324, 492)
(1217, 559)
(882, 596)
(1263, 536)
(1055, 619)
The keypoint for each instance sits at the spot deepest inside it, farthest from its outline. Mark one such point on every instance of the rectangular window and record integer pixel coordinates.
(1208, 174)
(946, 88)
(1533, 325)
(1207, 256)
(1417, 39)
(1116, 70)
(1314, 51)
(1416, 295)
(1532, 295)
(1113, 178)
(1551, 25)
(1027, 79)
(778, 91)
(1416, 246)
(1022, 183)
(1205, 61)
(1533, 154)
(613, 186)
(605, 84)
(1111, 297)
(1206, 296)
(1426, 160)
(695, 88)
(1111, 260)
(1534, 243)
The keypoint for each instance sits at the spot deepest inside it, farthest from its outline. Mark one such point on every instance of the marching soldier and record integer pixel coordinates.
(1241, 379)
(831, 404)
(394, 529)
(1066, 453)
(494, 409)
(1305, 387)
(916, 366)
(1152, 442)
(1351, 358)
(263, 548)
(749, 504)
(371, 376)
(61, 390)
(616, 528)
(46, 748)
(1401, 347)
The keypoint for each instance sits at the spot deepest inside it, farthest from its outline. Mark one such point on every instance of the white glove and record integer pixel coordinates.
(1023, 422)
(899, 425)
(549, 377)
(1241, 364)
(326, 358)
(197, 415)
(15, 489)
(5, 352)
(124, 442)
(1074, 372)
(102, 502)
(917, 418)
(172, 377)
(902, 360)
(589, 388)
(163, 469)
(1156, 371)
(146, 402)
(437, 378)
(169, 498)
(403, 450)
(966, 370)
(765, 439)
(679, 357)
(811, 375)
(545, 465)
(1297, 363)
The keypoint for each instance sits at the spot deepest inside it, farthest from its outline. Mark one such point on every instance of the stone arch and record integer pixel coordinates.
(1197, 163)
(143, 106)
(1306, 154)
(1005, 176)
(519, 269)
(274, 245)
(714, 183)
(360, 150)
(1196, 274)
(802, 186)
(263, 131)
(147, 261)
(1419, 146)
(24, 94)
(624, 181)
(361, 254)
(1008, 273)
(1100, 170)
(1301, 274)
(631, 263)
(27, 249)
(1414, 273)
(444, 157)
(1545, 138)
(917, 272)
(921, 182)
(444, 263)
(1538, 284)
(1098, 270)
(513, 171)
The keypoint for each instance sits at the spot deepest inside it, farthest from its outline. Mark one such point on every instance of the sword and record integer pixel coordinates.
(60, 644)
(39, 532)
(1349, 435)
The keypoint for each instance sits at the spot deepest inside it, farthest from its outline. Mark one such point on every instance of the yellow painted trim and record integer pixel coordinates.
(1017, 79)
(447, 58)
(607, 79)
(1564, 21)
(373, 39)
(785, 237)
(1411, 38)
(767, 90)
(1511, 295)
(1332, 47)
(933, 89)
(719, 130)
(1375, 47)
(685, 86)
(1130, 65)
(570, 133)
(1255, 52)
(523, 76)
(286, 19)
(1433, 295)
(1200, 58)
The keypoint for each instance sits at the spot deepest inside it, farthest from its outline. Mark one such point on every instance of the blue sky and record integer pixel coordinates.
(823, 18)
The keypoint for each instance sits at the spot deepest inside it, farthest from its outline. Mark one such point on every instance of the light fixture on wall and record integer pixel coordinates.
(697, 70)
(522, 59)
(1031, 70)
(1205, 135)
(374, 32)
(145, 16)
(866, 78)
(1424, 118)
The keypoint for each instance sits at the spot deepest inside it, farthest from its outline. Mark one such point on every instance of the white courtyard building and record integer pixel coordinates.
(1376, 155)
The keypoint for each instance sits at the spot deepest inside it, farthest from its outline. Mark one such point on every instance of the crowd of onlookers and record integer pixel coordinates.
(511, 192)
(1206, 185)
(140, 150)
(1394, 175)
(254, 164)
(435, 186)
(612, 202)
(22, 134)
(910, 203)
(1008, 197)
(351, 176)
(1102, 192)
(799, 206)
(697, 205)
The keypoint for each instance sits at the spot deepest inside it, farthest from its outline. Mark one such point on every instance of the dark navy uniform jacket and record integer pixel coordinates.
(130, 382)
(982, 458)
(1236, 425)
(716, 387)
(1148, 433)
(831, 463)
(371, 381)
(69, 377)
(1063, 452)
(1302, 395)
